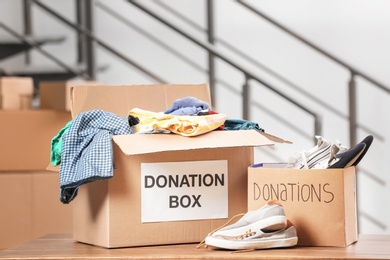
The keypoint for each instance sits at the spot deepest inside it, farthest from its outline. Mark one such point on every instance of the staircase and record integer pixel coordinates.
(258, 92)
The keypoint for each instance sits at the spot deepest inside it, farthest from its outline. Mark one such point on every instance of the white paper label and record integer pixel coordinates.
(173, 191)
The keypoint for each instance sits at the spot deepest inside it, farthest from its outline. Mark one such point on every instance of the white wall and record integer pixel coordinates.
(356, 31)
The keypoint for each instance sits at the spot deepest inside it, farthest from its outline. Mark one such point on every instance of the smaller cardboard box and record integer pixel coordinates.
(56, 94)
(16, 92)
(320, 203)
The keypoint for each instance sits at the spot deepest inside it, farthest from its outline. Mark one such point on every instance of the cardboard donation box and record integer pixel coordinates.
(320, 203)
(56, 94)
(166, 189)
(16, 92)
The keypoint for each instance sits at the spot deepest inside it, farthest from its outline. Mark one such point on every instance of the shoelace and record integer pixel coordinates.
(289, 224)
(240, 237)
(202, 243)
(247, 234)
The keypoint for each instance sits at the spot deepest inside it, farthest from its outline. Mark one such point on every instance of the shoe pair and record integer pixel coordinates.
(266, 227)
(326, 155)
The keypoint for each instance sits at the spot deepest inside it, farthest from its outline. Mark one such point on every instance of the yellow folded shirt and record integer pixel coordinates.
(158, 122)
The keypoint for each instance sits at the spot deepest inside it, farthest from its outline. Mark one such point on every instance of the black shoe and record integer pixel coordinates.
(367, 141)
(349, 157)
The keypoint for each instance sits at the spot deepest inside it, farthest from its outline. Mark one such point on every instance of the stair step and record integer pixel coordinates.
(38, 71)
(46, 73)
(12, 47)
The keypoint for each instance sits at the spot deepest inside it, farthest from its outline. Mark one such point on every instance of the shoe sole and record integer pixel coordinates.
(250, 244)
(267, 224)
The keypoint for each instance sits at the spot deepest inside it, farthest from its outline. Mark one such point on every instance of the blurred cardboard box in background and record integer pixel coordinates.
(56, 94)
(30, 207)
(25, 137)
(16, 93)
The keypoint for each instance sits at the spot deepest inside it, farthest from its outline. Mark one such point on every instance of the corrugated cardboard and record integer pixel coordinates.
(121, 99)
(25, 137)
(145, 144)
(16, 201)
(56, 94)
(16, 92)
(30, 207)
(49, 215)
(320, 203)
(108, 213)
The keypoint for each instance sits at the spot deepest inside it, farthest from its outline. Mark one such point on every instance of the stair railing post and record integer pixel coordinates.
(80, 38)
(353, 123)
(352, 109)
(246, 98)
(89, 43)
(317, 127)
(27, 25)
(211, 57)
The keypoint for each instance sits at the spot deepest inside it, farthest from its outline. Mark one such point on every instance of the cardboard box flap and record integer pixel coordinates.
(121, 99)
(152, 143)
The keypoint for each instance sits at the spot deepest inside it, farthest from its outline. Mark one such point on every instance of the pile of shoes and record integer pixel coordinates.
(327, 155)
(266, 227)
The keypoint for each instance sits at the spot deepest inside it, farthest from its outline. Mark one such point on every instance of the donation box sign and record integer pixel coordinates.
(176, 191)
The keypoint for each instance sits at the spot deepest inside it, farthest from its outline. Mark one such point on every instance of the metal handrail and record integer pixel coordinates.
(248, 76)
(244, 56)
(98, 41)
(208, 47)
(353, 71)
(211, 40)
(151, 37)
(156, 40)
(238, 52)
(275, 74)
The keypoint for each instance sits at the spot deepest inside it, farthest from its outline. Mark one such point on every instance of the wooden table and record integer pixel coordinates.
(63, 247)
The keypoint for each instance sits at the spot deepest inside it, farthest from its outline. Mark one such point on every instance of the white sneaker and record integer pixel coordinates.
(307, 159)
(286, 237)
(335, 149)
(262, 228)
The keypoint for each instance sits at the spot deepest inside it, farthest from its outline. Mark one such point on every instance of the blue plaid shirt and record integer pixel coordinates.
(87, 153)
